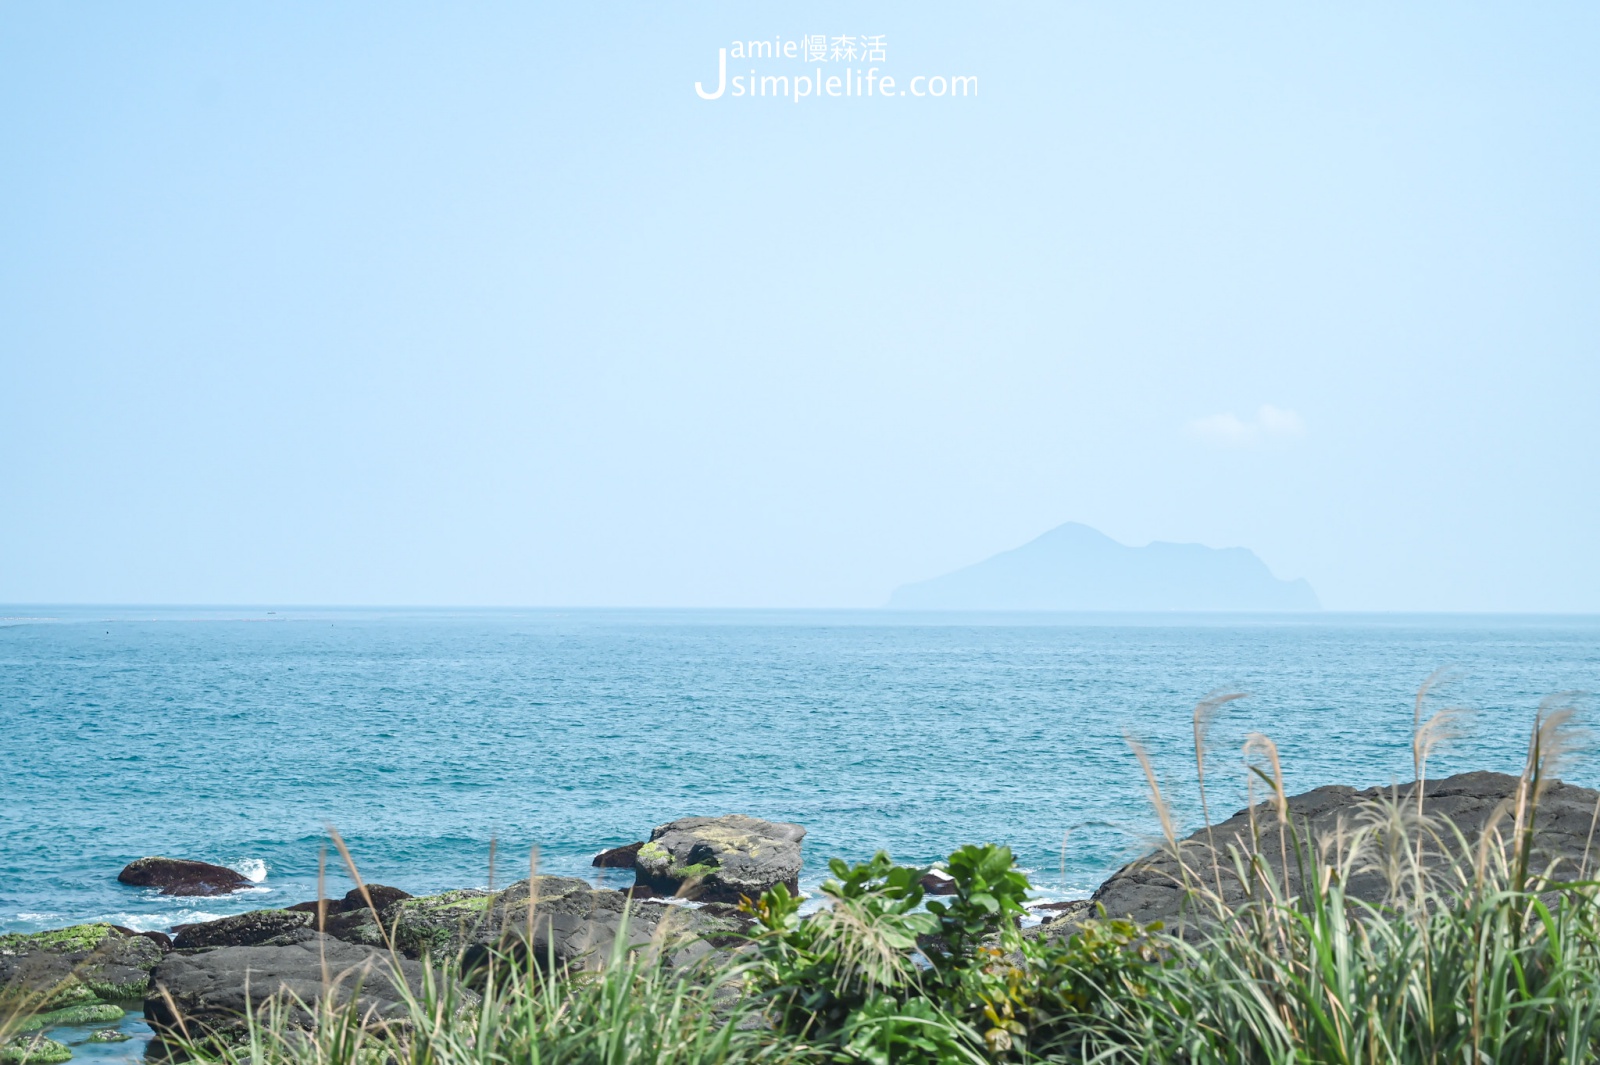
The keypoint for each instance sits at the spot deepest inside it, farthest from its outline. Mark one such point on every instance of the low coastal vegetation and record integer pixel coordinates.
(1393, 929)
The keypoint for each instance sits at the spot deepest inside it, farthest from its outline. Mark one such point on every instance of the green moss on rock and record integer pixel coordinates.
(109, 1035)
(439, 925)
(44, 971)
(687, 872)
(33, 1050)
(112, 991)
(78, 939)
(89, 1013)
(53, 995)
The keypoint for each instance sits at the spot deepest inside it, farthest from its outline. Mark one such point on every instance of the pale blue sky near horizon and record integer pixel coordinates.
(427, 304)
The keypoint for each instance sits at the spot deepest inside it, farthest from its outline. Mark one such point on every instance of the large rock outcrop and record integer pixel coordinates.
(75, 966)
(178, 876)
(210, 992)
(575, 926)
(1153, 888)
(572, 925)
(720, 859)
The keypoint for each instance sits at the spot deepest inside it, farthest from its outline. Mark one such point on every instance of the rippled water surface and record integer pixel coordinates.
(238, 736)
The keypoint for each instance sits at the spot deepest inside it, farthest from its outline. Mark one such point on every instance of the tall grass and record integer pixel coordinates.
(632, 1012)
(1472, 955)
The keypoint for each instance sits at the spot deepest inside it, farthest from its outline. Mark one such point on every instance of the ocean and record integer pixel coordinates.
(451, 748)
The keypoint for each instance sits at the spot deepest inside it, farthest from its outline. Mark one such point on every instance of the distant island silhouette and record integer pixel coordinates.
(1074, 567)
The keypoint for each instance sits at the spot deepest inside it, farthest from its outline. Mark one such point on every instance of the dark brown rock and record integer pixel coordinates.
(382, 897)
(160, 939)
(618, 857)
(1153, 888)
(176, 876)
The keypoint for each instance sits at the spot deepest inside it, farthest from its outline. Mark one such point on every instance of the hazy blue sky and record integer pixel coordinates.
(479, 304)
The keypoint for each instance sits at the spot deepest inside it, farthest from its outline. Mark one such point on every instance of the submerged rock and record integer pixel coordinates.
(177, 876)
(241, 930)
(721, 858)
(1153, 888)
(212, 991)
(45, 971)
(109, 1035)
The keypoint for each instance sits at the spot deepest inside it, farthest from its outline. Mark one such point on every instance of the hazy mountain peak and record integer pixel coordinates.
(1075, 567)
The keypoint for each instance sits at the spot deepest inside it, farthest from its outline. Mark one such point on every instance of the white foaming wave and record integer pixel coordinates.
(252, 869)
(139, 922)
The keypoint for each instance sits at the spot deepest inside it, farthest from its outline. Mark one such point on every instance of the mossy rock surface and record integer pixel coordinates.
(720, 858)
(33, 1050)
(438, 925)
(88, 1013)
(576, 926)
(109, 1035)
(242, 930)
(43, 971)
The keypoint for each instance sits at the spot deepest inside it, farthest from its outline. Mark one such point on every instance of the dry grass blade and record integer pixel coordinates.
(1168, 831)
(1257, 742)
(366, 896)
(1205, 715)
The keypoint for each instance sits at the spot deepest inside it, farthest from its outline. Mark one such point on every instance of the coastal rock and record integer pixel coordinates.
(33, 1050)
(109, 1035)
(212, 991)
(1058, 918)
(382, 896)
(618, 857)
(177, 876)
(241, 930)
(160, 939)
(1152, 888)
(438, 925)
(74, 966)
(352, 919)
(576, 926)
(573, 925)
(721, 858)
(88, 1013)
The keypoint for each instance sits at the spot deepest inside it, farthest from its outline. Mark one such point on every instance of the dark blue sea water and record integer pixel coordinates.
(239, 736)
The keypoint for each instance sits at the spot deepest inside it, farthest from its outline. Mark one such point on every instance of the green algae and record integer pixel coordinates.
(33, 1050)
(68, 992)
(438, 924)
(109, 1035)
(89, 1013)
(76, 939)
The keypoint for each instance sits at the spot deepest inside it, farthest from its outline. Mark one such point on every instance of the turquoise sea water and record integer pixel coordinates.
(237, 736)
